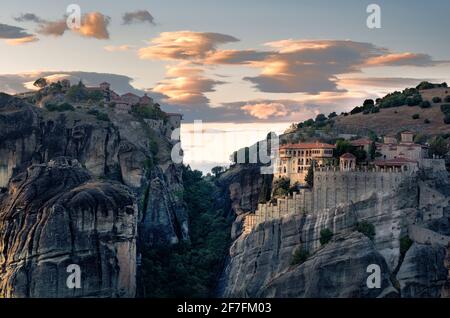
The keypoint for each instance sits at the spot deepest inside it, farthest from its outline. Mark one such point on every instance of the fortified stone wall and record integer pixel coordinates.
(331, 189)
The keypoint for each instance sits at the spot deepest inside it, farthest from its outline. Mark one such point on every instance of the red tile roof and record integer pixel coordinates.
(400, 161)
(316, 145)
(361, 142)
(348, 155)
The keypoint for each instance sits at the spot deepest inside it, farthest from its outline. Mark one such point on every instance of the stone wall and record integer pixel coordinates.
(331, 189)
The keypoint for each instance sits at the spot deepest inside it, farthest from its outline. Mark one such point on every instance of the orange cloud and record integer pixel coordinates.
(184, 45)
(120, 48)
(24, 40)
(185, 85)
(398, 59)
(266, 110)
(94, 24)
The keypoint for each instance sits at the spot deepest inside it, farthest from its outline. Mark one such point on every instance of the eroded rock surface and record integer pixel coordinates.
(54, 215)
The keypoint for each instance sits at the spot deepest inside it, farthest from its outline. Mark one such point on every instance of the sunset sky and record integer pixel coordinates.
(247, 61)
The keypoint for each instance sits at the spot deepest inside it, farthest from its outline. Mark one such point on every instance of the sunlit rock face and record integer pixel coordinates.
(259, 263)
(53, 216)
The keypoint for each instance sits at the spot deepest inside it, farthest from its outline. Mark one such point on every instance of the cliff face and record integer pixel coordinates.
(116, 155)
(242, 187)
(55, 215)
(260, 262)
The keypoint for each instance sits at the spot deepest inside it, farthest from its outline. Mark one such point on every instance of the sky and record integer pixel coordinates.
(247, 63)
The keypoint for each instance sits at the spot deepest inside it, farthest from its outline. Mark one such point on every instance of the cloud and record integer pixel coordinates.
(383, 82)
(54, 28)
(29, 17)
(20, 41)
(266, 110)
(401, 59)
(184, 45)
(185, 85)
(15, 35)
(119, 48)
(93, 25)
(140, 16)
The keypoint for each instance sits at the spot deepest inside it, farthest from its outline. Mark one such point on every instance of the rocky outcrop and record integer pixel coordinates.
(55, 215)
(115, 191)
(119, 149)
(242, 187)
(260, 265)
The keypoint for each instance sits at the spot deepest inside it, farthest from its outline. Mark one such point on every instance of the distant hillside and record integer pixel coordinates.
(424, 109)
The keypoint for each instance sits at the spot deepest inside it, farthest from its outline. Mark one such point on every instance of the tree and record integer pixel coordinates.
(217, 170)
(299, 257)
(436, 99)
(438, 147)
(333, 114)
(425, 104)
(366, 228)
(321, 118)
(309, 179)
(40, 82)
(368, 102)
(325, 236)
(343, 146)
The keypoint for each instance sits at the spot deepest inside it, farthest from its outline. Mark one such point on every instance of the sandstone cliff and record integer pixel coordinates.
(113, 155)
(417, 212)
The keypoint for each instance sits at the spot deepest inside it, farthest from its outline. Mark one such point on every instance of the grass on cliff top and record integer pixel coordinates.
(190, 269)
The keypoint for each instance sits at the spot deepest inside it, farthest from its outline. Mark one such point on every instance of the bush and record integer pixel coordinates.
(368, 102)
(325, 236)
(447, 119)
(299, 257)
(436, 99)
(425, 104)
(281, 187)
(333, 114)
(445, 108)
(426, 121)
(405, 244)
(366, 228)
(447, 99)
(375, 110)
(415, 116)
(99, 115)
(59, 108)
(414, 100)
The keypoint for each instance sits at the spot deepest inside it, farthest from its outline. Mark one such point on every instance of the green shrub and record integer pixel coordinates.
(445, 108)
(59, 108)
(425, 104)
(405, 244)
(299, 257)
(375, 110)
(366, 228)
(415, 116)
(281, 187)
(325, 236)
(99, 115)
(436, 99)
(447, 99)
(414, 100)
(447, 119)
(426, 121)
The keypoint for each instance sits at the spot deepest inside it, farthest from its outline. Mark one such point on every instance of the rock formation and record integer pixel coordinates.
(78, 188)
(260, 263)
